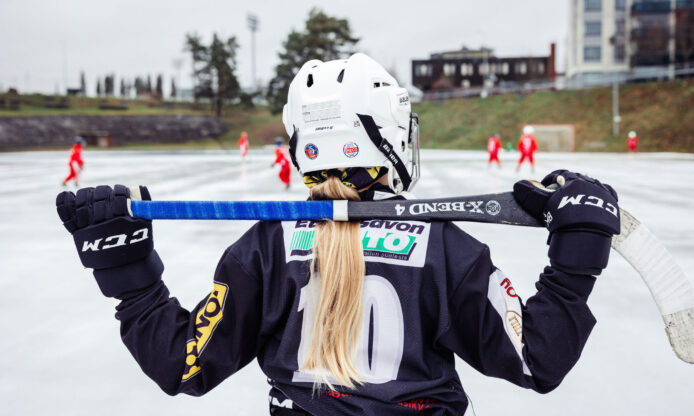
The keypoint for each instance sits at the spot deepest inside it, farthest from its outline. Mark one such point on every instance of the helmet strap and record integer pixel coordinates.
(292, 149)
(385, 147)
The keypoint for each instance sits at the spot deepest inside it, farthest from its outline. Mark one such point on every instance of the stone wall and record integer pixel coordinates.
(58, 131)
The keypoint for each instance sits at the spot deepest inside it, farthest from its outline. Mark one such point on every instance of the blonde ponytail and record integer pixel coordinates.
(338, 263)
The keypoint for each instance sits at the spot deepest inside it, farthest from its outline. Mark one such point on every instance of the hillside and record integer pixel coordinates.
(661, 113)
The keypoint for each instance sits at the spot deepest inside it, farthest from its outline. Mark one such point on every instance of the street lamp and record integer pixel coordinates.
(252, 21)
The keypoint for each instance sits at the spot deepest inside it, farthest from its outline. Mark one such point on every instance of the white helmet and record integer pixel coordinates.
(632, 134)
(528, 130)
(352, 113)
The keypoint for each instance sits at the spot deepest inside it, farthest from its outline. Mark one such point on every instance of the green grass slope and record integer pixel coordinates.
(661, 113)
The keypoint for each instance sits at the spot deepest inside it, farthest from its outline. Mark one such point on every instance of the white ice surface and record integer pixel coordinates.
(61, 351)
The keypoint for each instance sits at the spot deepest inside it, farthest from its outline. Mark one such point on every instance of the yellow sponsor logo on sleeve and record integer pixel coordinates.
(206, 321)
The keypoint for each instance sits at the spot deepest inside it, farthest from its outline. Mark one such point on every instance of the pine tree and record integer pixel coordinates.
(214, 69)
(159, 88)
(83, 84)
(324, 37)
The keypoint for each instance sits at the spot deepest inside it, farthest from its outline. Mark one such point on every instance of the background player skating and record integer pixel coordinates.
(243, 144)
(633, 142)
(75, 163)
(354, 318)
(527, 146)
(281, 159)
(493, 146)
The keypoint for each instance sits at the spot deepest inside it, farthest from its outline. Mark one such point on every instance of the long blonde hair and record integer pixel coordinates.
(338, 263)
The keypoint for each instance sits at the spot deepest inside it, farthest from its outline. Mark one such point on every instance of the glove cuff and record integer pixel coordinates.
(579, 251)
(115, 281)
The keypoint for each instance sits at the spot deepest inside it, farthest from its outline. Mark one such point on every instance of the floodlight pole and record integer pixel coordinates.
(672, 40)
(252, 21)
(616, 118)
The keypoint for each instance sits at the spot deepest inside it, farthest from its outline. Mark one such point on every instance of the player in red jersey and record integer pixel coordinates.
(493, 146)
(243, 144)
(633, 141)
(281, 159)
(527, 146)
(76, 163)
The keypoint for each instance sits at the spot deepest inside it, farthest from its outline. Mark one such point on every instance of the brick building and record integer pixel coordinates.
(468, 68)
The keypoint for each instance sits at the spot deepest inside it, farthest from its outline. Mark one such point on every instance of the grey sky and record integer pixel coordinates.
(47, 42)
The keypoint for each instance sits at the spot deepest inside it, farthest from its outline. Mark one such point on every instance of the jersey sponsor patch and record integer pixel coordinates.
(206, 321)
(504, 299)
(394, 242)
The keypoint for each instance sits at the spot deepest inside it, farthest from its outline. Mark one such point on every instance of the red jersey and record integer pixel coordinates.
(280, 152)
(633, 142)
(285, 166)
(527, 144)
(76, 155)
(493, 145)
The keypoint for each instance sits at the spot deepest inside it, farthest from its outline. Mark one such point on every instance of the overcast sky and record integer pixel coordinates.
(47, 43)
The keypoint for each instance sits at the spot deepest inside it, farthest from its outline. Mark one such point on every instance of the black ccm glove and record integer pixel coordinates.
(581, 215)
(109, 240)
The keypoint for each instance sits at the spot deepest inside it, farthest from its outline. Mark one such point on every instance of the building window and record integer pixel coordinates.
(620, 27)
(423, 70)
(593, 28)
(521, 68)
(465, 83)
(466, 69)
(541, 68)
(591, 54)
(619, 53)
(449, 70)
(620, 4)
(504, 68)
(592, 5)
(484, 69)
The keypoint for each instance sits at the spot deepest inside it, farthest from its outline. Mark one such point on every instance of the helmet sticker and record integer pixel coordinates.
(350, 149)
(311, 151)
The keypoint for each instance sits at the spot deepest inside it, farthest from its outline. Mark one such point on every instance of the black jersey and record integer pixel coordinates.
(430, 291)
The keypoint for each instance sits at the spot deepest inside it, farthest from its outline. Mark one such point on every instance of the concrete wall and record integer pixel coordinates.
(57, 131)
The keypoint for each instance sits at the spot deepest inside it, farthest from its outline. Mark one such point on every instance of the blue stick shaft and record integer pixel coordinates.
(233, 210)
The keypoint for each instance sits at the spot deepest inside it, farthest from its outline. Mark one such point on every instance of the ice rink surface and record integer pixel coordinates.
(61, 350)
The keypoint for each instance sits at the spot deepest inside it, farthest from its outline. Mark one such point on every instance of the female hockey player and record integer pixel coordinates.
(243, 145)
(527, 146)
(281, 159)
(75, 163)
(349, 318)
(493, 146)
(633, 142)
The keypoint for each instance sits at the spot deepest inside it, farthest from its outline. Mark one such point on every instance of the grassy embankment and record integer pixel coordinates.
(661, 113)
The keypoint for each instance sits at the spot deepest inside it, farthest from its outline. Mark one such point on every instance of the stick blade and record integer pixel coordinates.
(679, 327)
(672, 290)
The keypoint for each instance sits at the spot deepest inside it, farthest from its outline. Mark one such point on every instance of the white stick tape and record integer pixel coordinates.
(340, 210)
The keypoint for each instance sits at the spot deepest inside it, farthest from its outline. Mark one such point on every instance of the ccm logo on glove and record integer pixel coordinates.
(120, 240)
(591, 200)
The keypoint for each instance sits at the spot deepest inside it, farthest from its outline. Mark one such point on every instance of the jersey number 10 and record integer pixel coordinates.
(387, 332)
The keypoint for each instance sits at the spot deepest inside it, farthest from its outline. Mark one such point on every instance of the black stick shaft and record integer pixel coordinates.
(492, 208)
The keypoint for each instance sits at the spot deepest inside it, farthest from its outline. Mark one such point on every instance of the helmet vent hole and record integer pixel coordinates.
(309, 82)
(342, 75)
